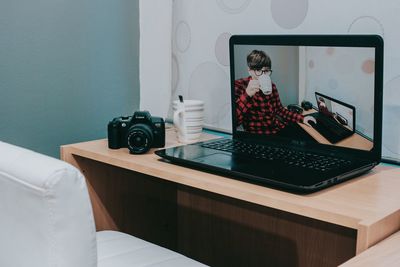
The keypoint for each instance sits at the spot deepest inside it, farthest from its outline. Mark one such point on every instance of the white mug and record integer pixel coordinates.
(188, 120)
(266, 84)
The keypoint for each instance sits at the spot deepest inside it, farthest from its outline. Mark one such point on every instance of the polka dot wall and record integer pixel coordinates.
(200, 56)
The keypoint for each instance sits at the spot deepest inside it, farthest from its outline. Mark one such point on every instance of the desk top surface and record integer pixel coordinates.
(385, 253)
(364, 201)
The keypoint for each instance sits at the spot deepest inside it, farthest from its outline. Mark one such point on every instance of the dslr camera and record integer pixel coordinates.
(138, 133)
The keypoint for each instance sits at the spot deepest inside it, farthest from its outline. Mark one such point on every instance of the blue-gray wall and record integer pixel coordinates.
(66, 69)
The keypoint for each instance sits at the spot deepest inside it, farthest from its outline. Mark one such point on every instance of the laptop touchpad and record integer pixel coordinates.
(218, 159)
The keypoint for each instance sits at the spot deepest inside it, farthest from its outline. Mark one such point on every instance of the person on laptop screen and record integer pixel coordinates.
(258, 106)
(323, 108)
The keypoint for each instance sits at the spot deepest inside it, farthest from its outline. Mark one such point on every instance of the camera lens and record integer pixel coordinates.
(140, 138)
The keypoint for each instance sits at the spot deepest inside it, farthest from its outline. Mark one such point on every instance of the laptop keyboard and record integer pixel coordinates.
(289, 156)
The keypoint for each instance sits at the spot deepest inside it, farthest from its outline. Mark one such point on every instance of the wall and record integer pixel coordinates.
(66, 69)
(201, 30)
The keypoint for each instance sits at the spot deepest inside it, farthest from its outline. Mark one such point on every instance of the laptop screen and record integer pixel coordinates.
(340, 113)
(277, 88)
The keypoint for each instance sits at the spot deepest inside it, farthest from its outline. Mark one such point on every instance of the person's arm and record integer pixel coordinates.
(283, 112)
(242, 100)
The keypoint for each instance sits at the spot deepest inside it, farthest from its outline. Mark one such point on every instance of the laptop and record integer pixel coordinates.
(335, 119)
(272, 146)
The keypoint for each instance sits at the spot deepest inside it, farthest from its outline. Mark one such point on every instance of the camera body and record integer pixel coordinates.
(138, 133)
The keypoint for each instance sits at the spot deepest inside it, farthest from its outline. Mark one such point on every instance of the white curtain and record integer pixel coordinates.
(193, 48)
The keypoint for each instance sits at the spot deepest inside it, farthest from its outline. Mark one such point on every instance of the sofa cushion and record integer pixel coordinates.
(117, 249)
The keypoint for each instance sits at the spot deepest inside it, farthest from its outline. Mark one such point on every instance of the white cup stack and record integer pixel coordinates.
(188, 119)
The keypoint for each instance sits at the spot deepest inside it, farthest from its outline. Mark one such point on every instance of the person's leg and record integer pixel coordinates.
(294, 131)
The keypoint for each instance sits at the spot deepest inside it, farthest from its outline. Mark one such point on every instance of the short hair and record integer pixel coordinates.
(257, 60)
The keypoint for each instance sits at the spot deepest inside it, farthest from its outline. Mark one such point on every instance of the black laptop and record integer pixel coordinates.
(335, 119)
(267, 145)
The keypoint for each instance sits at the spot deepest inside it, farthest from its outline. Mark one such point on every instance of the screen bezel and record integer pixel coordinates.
(374, 41)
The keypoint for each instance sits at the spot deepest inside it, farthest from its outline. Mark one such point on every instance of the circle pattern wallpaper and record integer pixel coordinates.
(233, 6)
(289, 14)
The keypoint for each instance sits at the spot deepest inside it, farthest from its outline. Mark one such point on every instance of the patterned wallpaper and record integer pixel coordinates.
(201, 29)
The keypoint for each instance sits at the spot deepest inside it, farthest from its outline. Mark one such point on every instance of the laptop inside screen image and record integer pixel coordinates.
(334, 120)
(341, 113)
(306, 112)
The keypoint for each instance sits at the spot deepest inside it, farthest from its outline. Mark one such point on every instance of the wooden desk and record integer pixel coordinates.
(226, 222)
(354, 141)
(383, 254)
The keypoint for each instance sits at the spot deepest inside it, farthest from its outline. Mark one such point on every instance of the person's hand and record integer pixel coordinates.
(253, 87)
(308, 119)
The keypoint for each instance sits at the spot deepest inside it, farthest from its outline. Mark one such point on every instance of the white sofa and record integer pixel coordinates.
(46, 220)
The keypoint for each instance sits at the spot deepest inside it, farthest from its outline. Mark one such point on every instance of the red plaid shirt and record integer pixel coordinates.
(260, 113)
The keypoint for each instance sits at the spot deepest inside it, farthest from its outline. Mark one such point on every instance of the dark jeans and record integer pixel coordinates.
(295, 132)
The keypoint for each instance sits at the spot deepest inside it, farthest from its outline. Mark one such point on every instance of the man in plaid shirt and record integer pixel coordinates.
(258, 106)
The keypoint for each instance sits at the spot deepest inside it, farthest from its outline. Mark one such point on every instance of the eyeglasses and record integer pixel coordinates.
(261, 72)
